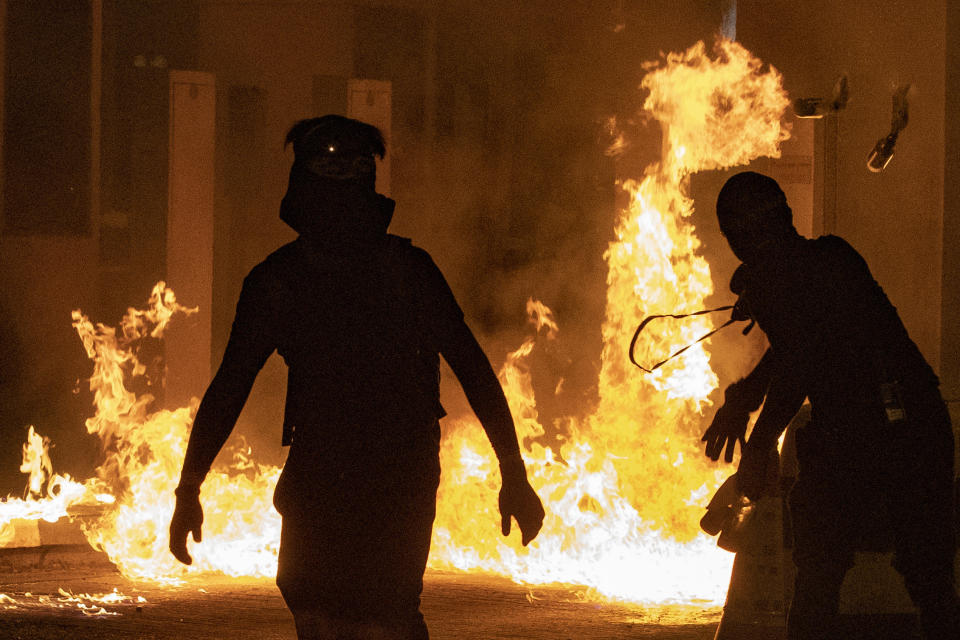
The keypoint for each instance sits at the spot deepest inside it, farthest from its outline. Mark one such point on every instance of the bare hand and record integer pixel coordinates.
(187, 518)
(519, 500)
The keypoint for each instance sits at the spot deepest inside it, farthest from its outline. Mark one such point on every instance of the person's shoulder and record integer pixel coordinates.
(836, 253)
(421, 268)
(278, 263)
(292, 251)
(405, 249)
(832, 244)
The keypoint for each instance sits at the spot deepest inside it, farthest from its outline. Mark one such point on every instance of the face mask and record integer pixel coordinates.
(757, 234)
(332, 207)
(343, 168)
(753, 247)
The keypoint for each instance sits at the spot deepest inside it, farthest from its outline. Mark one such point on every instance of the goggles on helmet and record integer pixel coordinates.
(340, 167)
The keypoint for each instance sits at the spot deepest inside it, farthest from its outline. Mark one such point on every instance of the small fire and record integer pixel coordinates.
(36, 462)
(82, 603)
(623, 490)
(48, 496)
(241, 530)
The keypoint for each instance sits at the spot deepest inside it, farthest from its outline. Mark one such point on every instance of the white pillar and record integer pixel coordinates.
(190, 233)
(370, 101)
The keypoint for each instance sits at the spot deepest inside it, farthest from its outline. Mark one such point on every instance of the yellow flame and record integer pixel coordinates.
(83, 603)
(241, 529)
(36, 462)
(143, 453)
(541, 317)
(626, 488)
(48, 495)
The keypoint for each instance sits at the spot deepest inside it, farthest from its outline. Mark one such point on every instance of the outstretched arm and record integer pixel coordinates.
(248, 348)
(784, 399)
(485, 395)
(729, 425)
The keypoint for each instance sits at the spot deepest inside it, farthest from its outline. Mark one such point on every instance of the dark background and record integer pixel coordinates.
(498, 164)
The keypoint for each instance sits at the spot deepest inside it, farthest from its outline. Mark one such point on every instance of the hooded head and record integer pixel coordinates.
(754, 216)
(331, 192)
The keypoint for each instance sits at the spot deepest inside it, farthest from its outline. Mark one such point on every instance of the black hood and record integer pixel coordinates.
(334, 211)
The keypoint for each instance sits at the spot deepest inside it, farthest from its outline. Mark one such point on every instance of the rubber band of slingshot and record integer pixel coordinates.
(648, 319)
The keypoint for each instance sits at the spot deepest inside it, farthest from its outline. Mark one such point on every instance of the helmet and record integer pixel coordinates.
(337, 147)
(752, 211)
(331, 191)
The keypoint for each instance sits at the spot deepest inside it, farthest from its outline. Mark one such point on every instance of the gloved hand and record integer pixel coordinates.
(519, 500)
(729, 424)
(187, 518)
(728, 427)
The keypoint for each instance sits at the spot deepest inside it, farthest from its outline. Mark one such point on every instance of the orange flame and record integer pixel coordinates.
(627, 487)
(241, 528)
(47, 495)
(624, 503)
(36, 462)
(82, 603)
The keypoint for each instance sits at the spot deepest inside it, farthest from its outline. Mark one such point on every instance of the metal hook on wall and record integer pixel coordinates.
(819, 107)
(882, 152)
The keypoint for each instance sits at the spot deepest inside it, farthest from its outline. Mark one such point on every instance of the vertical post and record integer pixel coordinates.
(950, 287)
(371, 101)
(828, 173)
(190, 232)
(430, 103)
(3, 102)
(794, 170)
(96, 93)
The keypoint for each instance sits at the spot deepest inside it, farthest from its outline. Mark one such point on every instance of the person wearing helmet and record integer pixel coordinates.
(880, 436)
(360, 317)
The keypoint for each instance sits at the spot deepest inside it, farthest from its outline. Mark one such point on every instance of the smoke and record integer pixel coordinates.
(525, 186)
(523, 198)
(499, 166)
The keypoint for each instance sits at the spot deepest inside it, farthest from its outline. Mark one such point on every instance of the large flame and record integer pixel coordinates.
(145, 452)
(623, 506)
(625, 490)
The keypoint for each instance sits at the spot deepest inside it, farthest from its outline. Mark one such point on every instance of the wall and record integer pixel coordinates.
(893, 218)
(950, 307)
(498, 150)
(498, 164)
(268, 54)
(45, 269)
(43, 366)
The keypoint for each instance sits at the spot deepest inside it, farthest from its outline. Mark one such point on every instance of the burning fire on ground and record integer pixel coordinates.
(623, 493)
(83, 604)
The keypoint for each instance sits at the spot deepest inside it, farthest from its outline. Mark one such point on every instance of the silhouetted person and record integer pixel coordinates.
(360, 317)
(880, 435)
